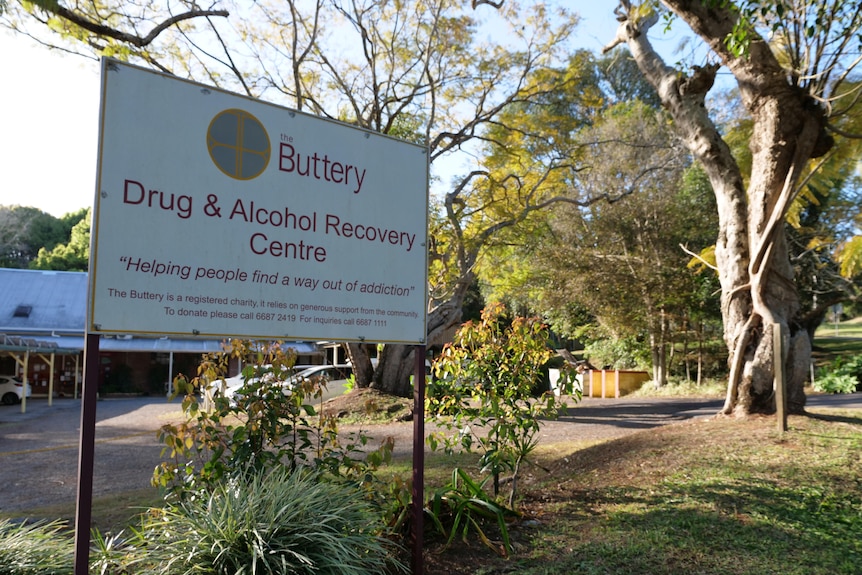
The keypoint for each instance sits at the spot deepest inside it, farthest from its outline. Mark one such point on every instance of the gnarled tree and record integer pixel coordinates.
(791, 61)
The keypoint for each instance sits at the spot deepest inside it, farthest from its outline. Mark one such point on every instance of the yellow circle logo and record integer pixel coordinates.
(238, 144)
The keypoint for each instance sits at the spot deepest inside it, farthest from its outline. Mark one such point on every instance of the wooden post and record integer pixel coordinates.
(50, 360)
(26, 382)
(86, 455)
(77, 371)
(51, 380)
(779, 383)
(418, 460)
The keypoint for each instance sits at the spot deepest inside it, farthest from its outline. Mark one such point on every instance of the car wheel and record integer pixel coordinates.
(10, 398)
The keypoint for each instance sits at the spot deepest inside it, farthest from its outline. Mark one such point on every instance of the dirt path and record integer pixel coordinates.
(590, 420)
(39, 449)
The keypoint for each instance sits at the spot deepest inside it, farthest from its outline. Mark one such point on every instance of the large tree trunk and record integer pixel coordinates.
(397, 362)
(360, 359)
(752, 257)
(394, 368)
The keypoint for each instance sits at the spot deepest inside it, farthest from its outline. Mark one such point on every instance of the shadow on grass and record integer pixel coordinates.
(710, 528)
(827, 348)
(836, 418)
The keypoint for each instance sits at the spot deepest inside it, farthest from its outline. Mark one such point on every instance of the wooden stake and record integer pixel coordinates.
(779, 383)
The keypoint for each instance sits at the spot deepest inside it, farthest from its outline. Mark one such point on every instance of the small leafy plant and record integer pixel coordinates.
(484, 392)
(271, 421)
(843, 375)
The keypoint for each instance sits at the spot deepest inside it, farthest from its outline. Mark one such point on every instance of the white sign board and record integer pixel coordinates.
(223, 216)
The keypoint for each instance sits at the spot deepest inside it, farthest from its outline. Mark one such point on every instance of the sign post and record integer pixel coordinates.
(222, 216)
(86, 456)
(418, 560)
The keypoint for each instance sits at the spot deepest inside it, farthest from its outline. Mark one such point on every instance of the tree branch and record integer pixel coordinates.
(134, 40)
(698, 257)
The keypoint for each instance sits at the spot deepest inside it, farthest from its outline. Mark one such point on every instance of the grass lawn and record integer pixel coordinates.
(712, 497)
(831, 340)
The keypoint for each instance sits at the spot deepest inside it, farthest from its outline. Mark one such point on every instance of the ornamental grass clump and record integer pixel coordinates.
(275, 522)
(39, 548)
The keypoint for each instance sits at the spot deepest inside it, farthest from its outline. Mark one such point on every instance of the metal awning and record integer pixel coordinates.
(13, 343)
(72, 344)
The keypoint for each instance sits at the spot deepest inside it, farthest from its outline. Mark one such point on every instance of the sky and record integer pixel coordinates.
(50, 109)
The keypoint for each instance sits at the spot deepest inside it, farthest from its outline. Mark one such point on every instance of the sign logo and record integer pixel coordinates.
(238, 144)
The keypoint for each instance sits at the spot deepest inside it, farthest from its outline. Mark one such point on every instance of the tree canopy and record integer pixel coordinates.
(26, 232)
(71, 256)
(425, 71)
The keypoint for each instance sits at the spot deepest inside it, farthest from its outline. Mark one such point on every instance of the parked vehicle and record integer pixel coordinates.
(12, 389)
(227, 387)
(332, 377)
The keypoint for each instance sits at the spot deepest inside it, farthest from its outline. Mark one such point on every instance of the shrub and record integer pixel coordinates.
(843, 375)
(274, 522)
(228, 446)
(619, 353)
(267, 424)
(39, 548)
(483, 392)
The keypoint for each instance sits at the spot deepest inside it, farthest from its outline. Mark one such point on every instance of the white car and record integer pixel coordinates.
(12, 389)
(226, 387)
(333, 376)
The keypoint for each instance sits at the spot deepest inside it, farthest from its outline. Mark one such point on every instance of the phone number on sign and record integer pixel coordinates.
(267, 316)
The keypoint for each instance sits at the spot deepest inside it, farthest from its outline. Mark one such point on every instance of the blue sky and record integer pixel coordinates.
(50, 104)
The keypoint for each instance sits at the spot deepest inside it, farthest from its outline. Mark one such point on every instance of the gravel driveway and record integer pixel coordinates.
(39, 448)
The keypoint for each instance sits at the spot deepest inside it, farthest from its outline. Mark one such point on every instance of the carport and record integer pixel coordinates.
(129, 344)
(21, 348)
(47, 348)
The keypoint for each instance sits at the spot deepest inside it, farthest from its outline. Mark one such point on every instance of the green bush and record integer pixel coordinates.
(266, 425)
(39, 548)
(843, 375)
(276, 522)
(619, 353)
(482, 393)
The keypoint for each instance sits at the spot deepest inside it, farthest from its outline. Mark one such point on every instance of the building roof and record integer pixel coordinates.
(45, 310)
(35, 301)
